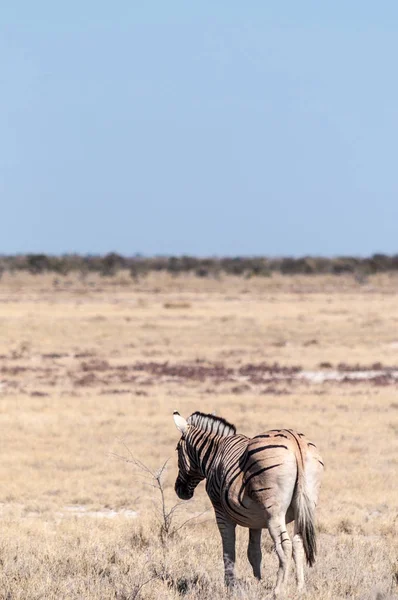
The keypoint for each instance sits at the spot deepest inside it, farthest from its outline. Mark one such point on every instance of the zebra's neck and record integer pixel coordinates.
(203, 448)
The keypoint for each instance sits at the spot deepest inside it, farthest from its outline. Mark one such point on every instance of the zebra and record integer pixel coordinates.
(262, 482)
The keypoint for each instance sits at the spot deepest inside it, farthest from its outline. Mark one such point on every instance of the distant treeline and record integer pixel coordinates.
(110, 264)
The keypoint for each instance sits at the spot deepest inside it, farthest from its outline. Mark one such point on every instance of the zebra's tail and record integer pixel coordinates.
(305, 516)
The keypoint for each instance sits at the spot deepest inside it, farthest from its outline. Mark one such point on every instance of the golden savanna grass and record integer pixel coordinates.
(91, 369)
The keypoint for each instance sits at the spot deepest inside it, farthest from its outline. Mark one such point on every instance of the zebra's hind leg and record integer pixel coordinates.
(298, 556)
(283, 548)
(227, 532)
(254, 551)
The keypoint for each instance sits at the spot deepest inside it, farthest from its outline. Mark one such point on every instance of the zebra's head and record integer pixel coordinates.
(189, 473)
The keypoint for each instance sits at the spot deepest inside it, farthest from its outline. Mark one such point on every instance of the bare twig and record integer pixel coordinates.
(190, 519)
(156, 481)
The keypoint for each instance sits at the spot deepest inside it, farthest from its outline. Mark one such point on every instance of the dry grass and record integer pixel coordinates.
(93, 368)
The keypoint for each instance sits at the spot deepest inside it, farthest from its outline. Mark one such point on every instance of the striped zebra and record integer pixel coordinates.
(262, 482)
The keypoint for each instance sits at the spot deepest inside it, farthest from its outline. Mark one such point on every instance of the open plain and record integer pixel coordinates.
(91, 369)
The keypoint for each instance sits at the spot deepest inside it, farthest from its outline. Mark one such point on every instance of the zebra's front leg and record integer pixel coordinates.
(254, 551)
(227, 532)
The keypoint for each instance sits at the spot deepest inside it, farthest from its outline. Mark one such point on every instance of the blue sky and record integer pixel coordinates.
(208, 128)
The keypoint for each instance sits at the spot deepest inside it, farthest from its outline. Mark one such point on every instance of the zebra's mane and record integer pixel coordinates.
(211, 423)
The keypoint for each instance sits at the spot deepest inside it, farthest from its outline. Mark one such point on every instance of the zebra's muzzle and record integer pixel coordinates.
(183, 491)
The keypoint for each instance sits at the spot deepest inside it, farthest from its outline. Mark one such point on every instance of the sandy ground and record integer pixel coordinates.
(90, 372)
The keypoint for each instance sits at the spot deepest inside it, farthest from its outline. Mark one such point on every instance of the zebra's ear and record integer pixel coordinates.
(180, 422)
